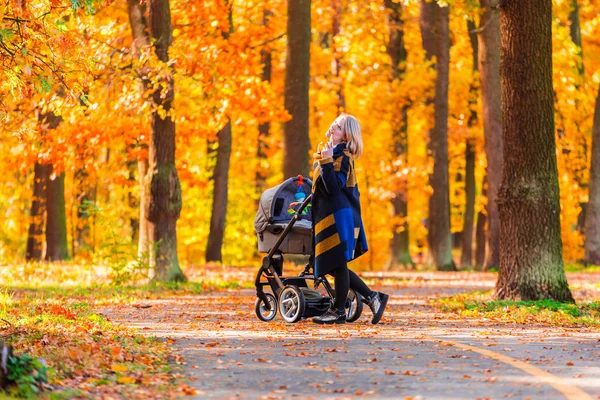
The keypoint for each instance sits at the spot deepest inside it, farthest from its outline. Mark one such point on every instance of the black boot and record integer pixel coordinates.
(377, 303)
(331, 317)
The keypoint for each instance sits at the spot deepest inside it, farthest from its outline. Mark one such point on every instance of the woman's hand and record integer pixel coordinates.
(327, 151)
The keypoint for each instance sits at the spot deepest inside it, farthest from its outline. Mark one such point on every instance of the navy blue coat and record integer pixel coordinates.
(337, 223)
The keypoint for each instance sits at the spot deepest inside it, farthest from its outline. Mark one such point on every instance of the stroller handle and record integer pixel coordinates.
(304, 204)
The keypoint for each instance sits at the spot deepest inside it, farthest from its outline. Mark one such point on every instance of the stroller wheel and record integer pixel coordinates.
(291, 304)
(261, 310)
(354, 306)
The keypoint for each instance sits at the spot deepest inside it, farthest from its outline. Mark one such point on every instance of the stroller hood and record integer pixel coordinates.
(274, 203)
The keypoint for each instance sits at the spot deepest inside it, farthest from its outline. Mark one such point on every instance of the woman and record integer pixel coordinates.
(338, 227)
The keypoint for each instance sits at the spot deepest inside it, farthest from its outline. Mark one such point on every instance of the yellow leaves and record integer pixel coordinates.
(118, 368)
(125, 379)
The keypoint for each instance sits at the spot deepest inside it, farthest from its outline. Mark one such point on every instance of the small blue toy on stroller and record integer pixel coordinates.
(284, 226)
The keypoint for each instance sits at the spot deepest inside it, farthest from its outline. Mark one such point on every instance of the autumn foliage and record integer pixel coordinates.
(77, 60)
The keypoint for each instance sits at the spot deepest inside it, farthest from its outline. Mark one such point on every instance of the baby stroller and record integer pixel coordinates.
(284, 226)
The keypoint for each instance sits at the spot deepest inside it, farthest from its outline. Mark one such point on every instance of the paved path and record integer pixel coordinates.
(415, 352)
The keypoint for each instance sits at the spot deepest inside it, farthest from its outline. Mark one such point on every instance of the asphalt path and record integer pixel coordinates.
(416, 352)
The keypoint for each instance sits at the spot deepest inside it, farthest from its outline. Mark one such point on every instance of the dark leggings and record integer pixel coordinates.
(346, 279)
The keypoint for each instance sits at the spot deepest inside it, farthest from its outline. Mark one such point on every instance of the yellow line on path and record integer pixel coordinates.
(571, 392)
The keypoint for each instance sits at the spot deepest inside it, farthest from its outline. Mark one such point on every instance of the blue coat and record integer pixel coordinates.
(337, 223)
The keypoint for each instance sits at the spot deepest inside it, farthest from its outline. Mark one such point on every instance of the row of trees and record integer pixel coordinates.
(240, 69)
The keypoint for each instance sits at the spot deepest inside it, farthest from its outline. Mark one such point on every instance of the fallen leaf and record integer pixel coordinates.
(125, 379)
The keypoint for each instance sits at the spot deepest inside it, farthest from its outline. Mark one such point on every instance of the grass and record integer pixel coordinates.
(542, 312)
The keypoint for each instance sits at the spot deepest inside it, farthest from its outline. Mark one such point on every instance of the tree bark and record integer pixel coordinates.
(35, 239)
(434, 23)
(489, 66)
(592, 218)
(219, 206)
(165, 189)
(57, 246)
(297, 79)
(531, 264)
(396, 49)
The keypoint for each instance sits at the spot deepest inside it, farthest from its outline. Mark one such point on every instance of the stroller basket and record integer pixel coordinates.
(275, 213)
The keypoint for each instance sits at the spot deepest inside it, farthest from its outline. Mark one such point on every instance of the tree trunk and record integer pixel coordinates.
(145, 251)
(85, 194)
(480, 231)
(581, 150)
(57, 246)
(436, 41)
(531, 264)
(264, 128)
(133, 201)
(489, 66)
(480, 240)
(35, 239)
(592, 218)
(396, 49)
(219, 207)
(139, 28)
(575, 33)
(220, 180)
(336, 63)
(466, 260)
(297, 77)
(164, 185)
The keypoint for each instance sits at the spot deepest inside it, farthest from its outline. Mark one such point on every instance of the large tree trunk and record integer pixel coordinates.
(35, 239)
(592, 219)
(165, 189)
(264, 128)
(531, 264)
(219, 206)
(436, 41)
(399, 244)
(489, 66)
(57, 246)
(139, 27)
(466, 259)
(297, 79)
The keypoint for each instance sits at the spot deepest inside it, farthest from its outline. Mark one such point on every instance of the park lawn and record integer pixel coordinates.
(86, 354)
(542, 312)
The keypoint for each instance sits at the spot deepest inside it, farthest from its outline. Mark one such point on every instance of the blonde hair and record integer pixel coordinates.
(353, 135)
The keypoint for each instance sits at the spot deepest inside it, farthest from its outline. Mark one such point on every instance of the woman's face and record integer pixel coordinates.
(336, 131)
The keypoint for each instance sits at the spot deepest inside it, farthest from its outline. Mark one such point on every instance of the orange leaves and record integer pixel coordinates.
(61, 310)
